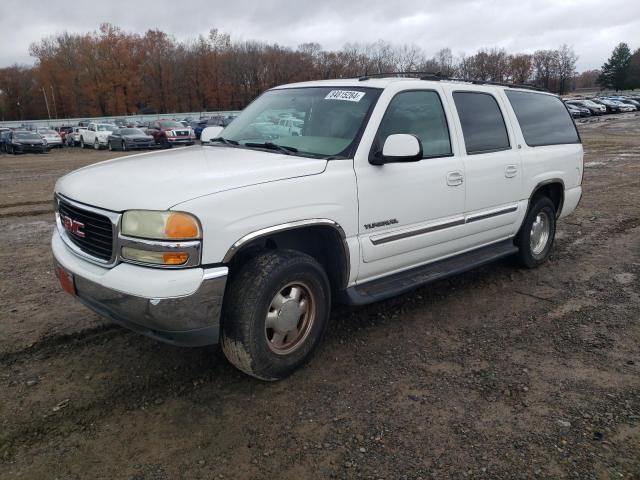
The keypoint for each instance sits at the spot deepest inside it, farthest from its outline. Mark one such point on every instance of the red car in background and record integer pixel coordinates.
(168, 133)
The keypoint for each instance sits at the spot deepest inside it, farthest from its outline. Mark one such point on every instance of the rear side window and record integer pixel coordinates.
(483, 126)
(544, 119)
(419, 113)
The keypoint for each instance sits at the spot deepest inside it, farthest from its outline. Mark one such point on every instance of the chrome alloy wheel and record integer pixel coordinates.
(540, 230)
(290, 318)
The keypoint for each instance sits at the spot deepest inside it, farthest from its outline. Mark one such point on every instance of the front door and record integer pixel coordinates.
(410, 212)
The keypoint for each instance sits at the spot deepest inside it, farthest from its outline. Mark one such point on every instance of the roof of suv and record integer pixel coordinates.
(384, 82)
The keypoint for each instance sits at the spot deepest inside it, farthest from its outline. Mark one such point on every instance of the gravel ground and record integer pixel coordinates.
(497, 373)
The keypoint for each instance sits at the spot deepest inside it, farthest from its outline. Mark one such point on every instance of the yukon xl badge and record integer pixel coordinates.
(383, 223)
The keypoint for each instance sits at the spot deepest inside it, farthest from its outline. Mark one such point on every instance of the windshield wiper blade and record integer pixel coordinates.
(226, 141)
(273, 146)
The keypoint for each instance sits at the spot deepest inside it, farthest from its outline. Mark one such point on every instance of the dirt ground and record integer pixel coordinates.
(497, 373)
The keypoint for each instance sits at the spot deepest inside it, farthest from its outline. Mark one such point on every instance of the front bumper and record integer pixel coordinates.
(181, 140)
(29, 148)
(180, 307)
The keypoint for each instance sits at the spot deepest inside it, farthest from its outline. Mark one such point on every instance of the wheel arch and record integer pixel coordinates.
(552, 188)
(321, 238)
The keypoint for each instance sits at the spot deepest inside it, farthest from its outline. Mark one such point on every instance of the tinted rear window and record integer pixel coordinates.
(482, 122)
(544, 120)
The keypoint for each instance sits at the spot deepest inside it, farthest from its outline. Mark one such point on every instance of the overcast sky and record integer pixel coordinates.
(592, 27)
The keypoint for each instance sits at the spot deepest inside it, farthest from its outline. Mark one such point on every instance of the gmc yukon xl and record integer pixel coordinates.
(247, 240)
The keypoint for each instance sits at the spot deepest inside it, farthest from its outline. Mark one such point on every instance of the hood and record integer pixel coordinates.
(160, 180)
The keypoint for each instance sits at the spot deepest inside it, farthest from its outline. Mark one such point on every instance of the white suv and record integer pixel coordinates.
(390, 183)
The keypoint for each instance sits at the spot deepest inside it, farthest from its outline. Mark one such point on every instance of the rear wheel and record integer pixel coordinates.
(276, 313)
(537, 233)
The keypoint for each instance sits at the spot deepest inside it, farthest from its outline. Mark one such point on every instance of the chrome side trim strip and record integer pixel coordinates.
(491, 213)
(434, 227)
(391, 237)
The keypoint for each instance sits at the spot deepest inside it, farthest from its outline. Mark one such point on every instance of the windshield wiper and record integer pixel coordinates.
(226, 141)
(272, 146)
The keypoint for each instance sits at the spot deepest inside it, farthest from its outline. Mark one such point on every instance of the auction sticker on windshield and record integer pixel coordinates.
(347, 95)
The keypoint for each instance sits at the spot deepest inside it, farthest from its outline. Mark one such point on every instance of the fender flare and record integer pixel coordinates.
(296, 224)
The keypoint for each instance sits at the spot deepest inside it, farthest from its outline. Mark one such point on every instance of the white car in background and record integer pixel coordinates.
(52, 137)
(72, 139)
(96, 135)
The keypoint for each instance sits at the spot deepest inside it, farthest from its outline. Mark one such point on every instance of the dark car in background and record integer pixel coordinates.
(23, 141)
(594, 108)
(129, 139)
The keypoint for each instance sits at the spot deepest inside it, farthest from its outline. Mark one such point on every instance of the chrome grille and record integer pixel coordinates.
(98, 231)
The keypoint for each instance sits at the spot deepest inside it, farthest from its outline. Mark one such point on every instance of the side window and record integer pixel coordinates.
(421, 114)
(482, 122)
(544, 120)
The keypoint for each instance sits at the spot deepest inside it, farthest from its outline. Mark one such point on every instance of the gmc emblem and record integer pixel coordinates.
(73, 226)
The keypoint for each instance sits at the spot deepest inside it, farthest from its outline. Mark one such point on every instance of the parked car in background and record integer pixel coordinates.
(625, 101)
(574, 111)
(24, 141)
(50, 136)
(129, 139)
(595, 108)
(168, 133)
(84, 123)
(4, 134)
(96, 135)
(611, 107)
(72, 139)
(62, 131)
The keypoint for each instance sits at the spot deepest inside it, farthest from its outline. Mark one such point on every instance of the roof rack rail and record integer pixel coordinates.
(437, 76)
(420, 75)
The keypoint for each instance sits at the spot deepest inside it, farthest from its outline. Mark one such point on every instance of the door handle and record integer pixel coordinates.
(454, 178)
(510, 171)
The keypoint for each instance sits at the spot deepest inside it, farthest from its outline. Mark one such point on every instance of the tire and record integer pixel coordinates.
(264, 291)
(82, 145)
(109, 146)
(96, 144)
(124, 146)
(164, 143)
(537, 233)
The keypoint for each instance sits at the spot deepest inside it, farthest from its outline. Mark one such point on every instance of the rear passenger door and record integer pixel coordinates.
(493, 167)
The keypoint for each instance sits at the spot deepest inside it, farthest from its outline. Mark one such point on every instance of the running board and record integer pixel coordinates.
(403, 282)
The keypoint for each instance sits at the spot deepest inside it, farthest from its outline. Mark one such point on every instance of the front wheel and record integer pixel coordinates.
(275, 314)
(537, 233)
(82, 145)
(96, 144)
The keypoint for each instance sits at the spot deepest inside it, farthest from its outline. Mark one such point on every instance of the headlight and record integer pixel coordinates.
(160, 225)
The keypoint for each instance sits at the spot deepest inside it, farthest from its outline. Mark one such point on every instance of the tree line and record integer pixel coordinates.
(112, 72)
(622, 70)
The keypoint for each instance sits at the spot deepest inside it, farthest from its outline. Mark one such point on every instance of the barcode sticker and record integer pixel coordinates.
(346, 95)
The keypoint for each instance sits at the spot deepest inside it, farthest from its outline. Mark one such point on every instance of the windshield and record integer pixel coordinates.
(47, 132)
(315, 122)
(106, 128)
(131, 131)
(26, 136)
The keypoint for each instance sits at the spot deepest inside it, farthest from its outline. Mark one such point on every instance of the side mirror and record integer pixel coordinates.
(401, 147)
(209, 133)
